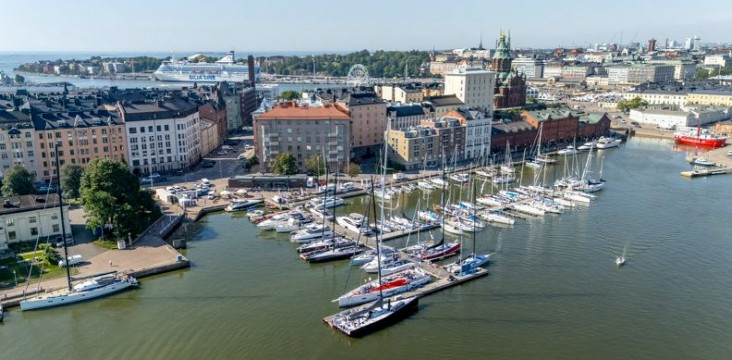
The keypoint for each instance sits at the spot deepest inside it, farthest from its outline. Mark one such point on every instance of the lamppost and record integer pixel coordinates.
(15, 276)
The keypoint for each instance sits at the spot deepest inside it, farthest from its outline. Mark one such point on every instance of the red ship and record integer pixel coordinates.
(700, 137)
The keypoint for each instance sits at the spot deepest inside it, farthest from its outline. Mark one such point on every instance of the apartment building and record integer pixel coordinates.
(16, 141)
(415, 147)
(473, 86)
(77, 137)
(368, 118)
(303, 130)
(28, 217)
(477, 132)
(162, 135)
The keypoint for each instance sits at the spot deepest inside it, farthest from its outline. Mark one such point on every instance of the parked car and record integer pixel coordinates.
(178, 173)
(208, 164)
(154, 176)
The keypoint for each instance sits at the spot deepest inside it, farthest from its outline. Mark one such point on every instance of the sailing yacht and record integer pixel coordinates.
(362, 321)
(93, 288)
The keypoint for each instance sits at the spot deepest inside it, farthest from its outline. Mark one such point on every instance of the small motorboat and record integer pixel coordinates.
(702, 162)
(620, 261)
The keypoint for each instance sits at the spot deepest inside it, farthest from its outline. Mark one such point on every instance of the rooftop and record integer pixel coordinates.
(444, 100)
(291, 111)
(18, 204)
(405, 110)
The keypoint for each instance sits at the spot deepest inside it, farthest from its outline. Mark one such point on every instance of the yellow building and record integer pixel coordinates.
(415, 147)
(718, 98)
(209, 136)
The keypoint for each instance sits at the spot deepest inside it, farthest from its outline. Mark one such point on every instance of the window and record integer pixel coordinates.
(34, 231)
(55, 228)
(32, 220)
(11, 235)
(10, 222)
(133, 130)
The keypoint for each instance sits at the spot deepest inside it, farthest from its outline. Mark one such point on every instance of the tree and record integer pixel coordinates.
(634, 103)
(111, 195)
(254, 160)
(290, 95)
(18, 181)
(315, 165)
(71, 180)
(19, 79)
(701, 74)
(354, 169)
(284, 164)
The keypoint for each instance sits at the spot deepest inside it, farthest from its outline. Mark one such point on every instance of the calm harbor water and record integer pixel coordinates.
(553, 291)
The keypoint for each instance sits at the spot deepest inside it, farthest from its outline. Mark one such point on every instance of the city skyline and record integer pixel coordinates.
(183, 26)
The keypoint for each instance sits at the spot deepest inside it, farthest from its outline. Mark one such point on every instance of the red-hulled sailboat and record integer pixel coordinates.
(699, 137)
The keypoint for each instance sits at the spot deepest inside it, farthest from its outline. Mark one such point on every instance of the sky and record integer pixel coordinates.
(346, 25)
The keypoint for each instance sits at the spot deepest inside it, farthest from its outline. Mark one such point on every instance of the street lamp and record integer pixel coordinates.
(15, 276)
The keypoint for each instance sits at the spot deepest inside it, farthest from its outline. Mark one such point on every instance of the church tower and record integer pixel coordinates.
(501, 62)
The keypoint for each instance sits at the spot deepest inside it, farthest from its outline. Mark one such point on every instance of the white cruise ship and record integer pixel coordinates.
(224, 69)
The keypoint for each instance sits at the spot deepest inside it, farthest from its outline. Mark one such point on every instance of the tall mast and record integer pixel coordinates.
(378, 249)
(63, 227)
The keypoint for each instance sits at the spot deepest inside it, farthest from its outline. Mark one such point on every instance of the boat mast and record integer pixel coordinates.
(474, 220)
(63, 227)
(325, 191)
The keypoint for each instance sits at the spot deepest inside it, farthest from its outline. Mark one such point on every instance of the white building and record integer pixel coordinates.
(659, 97)
(534, 69)
(161, 135)
(721, 60)
(532, 92)
(473, 86)
(670, 119)
(30, 217)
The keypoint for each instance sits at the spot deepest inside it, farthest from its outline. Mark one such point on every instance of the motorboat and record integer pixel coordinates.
(274, 220)
(385, 259)
(460, 178)
(323, 244)
(310, 232)
(608, 142)
(288, 226)
(328, 203)
(322, 213)
(620, 260)
(243, 204)
(365, 320)
(390, 285)
(568, 151)
(497, 217)
(590, 145)
(353, 222)
(702, 162)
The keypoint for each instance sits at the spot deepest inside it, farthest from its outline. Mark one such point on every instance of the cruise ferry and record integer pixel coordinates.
(224, 69)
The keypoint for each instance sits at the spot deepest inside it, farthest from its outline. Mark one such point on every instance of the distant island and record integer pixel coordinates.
(382, 64)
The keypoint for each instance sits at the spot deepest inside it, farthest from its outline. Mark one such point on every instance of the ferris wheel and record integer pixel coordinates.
(357, 76)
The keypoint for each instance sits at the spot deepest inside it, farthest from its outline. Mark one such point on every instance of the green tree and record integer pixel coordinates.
(18, 181)
(315, 165)
(284, 164)
(354, 169)
(634, 103)
(71, 180)
(701, 74)
(290, 95)
(254, 160)
(111, 195)
(19, 79)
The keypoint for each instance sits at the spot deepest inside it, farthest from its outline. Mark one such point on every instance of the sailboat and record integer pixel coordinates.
(471, 263)
(93, 288)
(507, 168)
(362, 321)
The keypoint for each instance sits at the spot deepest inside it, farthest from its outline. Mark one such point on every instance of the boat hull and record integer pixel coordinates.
(47, 301)
(408, 308)
(695, 141)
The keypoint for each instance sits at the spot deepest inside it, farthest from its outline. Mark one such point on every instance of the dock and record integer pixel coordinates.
(706, 172)
(443, 281)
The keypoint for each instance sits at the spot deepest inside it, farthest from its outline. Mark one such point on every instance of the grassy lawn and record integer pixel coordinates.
(107, 244)
(34, 260)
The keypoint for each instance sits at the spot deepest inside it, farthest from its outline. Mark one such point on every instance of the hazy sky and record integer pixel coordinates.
(284, 25)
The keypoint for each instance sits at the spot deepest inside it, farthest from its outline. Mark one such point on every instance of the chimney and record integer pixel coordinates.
(250, 63)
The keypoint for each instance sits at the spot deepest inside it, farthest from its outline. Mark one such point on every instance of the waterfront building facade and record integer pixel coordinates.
(303, 131)
(405, 116)
(451, 134)
(161, 135)
(437, 106)
(415, 147)
(477, 132)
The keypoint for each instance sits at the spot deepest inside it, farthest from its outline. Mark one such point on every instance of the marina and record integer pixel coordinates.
(549, 275)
